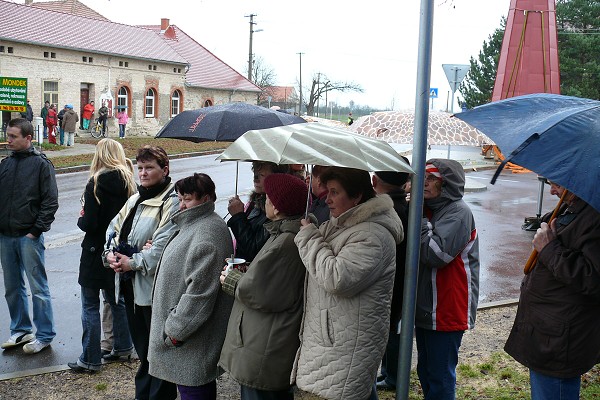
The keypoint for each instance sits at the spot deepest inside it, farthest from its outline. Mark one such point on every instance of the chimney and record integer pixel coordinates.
(164, 24)
(28, 2)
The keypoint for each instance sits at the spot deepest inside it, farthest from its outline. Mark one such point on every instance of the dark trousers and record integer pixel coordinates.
(249, 393)
(147, 387)
(203, 392)
(389, 364)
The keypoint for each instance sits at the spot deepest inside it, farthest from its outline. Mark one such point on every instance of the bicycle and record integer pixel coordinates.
(98, 130)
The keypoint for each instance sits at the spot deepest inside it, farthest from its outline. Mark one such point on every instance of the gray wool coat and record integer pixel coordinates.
(188, 304)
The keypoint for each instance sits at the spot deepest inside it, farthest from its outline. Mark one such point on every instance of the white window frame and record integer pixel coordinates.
(50, 93)
(175, 103)
(150, 103)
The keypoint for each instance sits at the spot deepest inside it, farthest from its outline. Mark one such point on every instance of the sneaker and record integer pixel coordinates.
(35, 347)
(17, 339)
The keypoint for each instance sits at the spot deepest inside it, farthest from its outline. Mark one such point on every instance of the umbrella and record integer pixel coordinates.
(555, 136)
(223, 122)
(314, 143)
(398, 127)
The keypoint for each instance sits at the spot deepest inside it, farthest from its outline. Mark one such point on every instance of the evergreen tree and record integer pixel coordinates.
(478, 85)
(578, 23)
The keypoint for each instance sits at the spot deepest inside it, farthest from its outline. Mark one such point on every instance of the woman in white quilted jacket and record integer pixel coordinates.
(351, 262)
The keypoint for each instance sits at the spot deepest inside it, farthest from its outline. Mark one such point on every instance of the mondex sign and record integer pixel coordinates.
(13, 94)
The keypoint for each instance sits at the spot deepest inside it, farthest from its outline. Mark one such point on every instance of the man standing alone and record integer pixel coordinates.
(29, 199)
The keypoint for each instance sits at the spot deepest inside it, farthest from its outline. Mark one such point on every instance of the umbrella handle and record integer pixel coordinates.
(309, 189)
(534, 254)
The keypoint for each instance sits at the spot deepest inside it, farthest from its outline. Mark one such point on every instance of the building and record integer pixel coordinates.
(154, 71)
(284, 97)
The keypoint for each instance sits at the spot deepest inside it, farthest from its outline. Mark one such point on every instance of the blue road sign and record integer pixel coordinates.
(433, 93)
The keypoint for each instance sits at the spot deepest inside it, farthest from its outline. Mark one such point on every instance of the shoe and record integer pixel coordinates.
(117, 356)
(35, 347)
(79, 369)
(383, 385)
(105, 353)
(17, 339)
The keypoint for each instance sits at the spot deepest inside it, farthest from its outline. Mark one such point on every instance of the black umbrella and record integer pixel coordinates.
(224, 122)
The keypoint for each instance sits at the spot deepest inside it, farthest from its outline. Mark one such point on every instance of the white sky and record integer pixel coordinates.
(372, 43)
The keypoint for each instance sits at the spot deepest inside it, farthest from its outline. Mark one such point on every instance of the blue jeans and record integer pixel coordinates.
(122, 130)
(389, 364)
(436, 363)
(62, 136)
(91, 358)
(20, 257)
(544, 387)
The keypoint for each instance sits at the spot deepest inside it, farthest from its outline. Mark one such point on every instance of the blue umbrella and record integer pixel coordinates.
(224, 123)
(555, 136)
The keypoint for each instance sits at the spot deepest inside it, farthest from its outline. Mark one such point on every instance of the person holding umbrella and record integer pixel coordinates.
(556, 333)
(448, 278)
(351, 263)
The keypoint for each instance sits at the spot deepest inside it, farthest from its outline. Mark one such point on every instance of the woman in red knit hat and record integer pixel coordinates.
(262, 335)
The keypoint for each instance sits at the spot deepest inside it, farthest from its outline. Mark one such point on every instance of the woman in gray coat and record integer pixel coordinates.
(189, 311)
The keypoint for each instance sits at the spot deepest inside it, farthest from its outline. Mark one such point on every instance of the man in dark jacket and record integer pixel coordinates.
(392, 184)
(61, 128)
(28, 114)
(44, 114)
(318, 207)
(29, 199)
(556, 333)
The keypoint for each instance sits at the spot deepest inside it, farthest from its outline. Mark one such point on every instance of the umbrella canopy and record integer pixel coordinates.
(398, 127)
(223, 122)
(314, 143)
(555, 136)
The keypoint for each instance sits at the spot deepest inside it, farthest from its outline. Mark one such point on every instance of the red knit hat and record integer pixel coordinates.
(287, 193)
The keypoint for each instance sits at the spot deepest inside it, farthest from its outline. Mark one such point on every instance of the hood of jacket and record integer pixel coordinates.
(379, 209)
(287, 225)
(453, 181)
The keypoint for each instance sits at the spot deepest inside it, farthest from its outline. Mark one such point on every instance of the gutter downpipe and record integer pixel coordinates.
(416, 198)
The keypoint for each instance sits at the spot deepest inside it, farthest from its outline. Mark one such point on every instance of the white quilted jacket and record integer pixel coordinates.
(351, 261)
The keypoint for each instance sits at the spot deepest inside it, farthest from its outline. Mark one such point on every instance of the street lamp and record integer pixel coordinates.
(251, 16)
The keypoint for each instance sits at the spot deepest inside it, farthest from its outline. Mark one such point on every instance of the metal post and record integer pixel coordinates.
(416, 199)
(251, 16)
(454, 90)
(300, 106)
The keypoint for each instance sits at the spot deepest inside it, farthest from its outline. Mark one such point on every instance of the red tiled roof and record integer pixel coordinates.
(206, 69)
(280, 93)
(23, 23)
(71, 7)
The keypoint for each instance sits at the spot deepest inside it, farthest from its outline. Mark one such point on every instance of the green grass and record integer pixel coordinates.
(101, 386)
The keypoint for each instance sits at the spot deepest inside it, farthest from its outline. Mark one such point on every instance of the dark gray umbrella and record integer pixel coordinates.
(224, 123)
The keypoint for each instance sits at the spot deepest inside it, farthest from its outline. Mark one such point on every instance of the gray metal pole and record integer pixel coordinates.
(250, 46)
(416, 199)
(300, 84)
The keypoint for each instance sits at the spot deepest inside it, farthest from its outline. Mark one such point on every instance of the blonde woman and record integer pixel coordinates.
(111, 184)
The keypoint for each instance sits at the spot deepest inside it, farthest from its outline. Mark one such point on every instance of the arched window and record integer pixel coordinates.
(150, 103)
(207, 103)
(175, 103)
(122, 98)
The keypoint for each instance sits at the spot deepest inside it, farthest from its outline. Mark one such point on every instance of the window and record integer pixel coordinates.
(120, 63)
(154, 67)
(52, 54)
(51, 92)
(123, 64)
(10, 49)
(2, 50)
(122, 98)
(175, 103)
(84, 59)
(91, 59)
(46, 54)
(150, 97)
(149, 67)
(126, 64)
(178, 70)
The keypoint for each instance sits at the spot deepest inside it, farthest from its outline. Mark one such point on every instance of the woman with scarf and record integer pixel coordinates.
(146, 216)
(110, 185)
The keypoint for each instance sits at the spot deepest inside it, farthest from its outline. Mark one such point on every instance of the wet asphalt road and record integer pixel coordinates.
(499, 212)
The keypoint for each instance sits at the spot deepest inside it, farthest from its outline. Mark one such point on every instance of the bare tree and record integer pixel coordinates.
(263, 76)
(322, 85)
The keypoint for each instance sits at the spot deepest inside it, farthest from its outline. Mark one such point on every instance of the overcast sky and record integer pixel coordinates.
(371, 43)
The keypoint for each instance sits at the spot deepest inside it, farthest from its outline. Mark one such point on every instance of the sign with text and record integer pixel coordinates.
(13, 94)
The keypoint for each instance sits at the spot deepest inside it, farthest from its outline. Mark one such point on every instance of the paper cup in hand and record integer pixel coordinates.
(232, 262)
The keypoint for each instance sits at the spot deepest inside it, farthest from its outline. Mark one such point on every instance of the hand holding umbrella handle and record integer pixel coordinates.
(534, 254)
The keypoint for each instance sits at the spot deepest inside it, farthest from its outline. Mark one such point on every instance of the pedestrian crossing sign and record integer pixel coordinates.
(433, 93)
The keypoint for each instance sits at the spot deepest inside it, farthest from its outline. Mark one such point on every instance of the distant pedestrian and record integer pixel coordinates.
(350, 119)
(70, 124)
(122, 118)
(61, 127)
(103, 116)
(28, 114)
(44, 114)
(29, 199)
(88, 114)
(51, 122)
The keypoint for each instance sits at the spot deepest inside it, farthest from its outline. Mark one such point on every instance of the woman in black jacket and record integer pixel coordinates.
(247, 221)
(110, 185)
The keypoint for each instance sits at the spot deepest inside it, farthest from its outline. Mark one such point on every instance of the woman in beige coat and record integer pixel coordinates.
(351, 261)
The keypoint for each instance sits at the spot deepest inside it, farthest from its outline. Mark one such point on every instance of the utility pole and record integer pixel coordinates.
(250, 55)
(318, 93)
(300, 106)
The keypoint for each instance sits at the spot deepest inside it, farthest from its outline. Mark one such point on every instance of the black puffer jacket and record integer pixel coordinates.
(28, 194)
(248, 230)
(401, 208)
(112, 192)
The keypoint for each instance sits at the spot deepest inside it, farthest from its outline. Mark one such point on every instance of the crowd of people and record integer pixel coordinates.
(317, 303)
